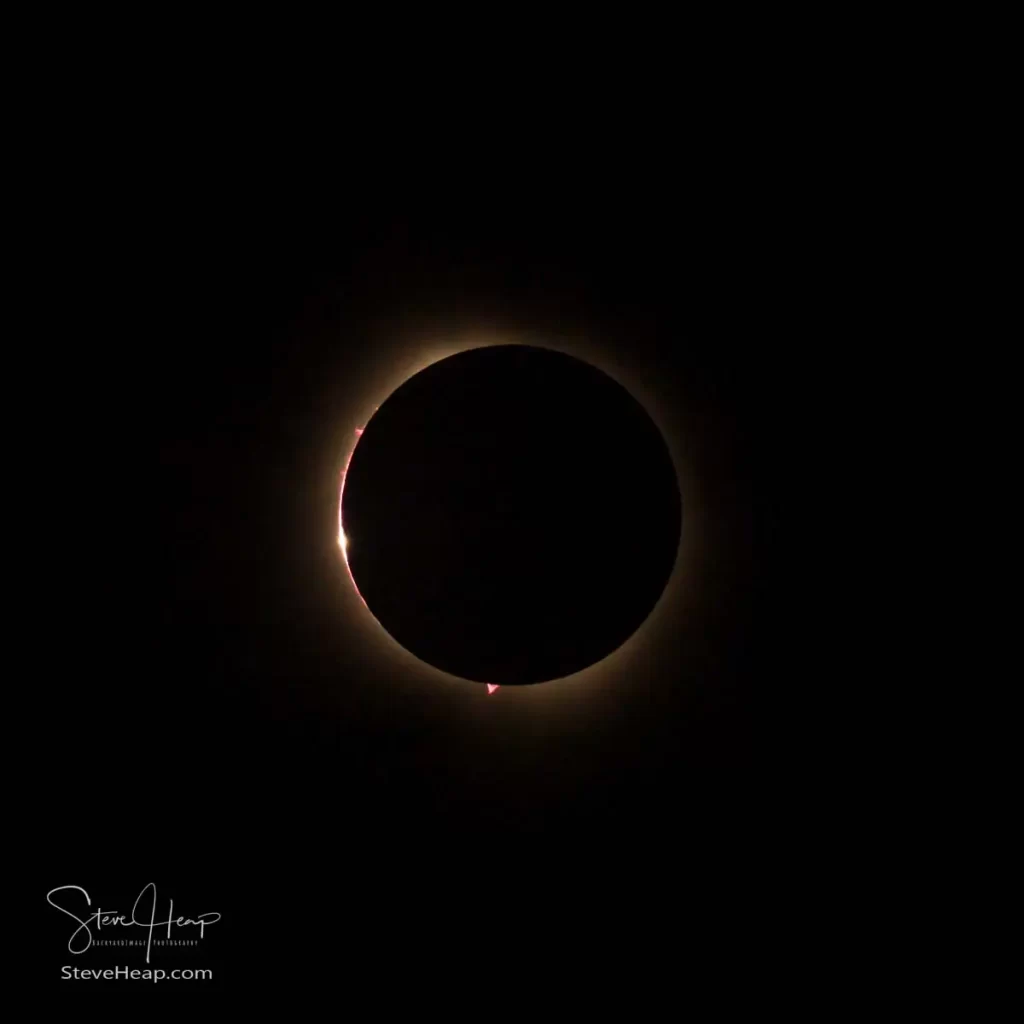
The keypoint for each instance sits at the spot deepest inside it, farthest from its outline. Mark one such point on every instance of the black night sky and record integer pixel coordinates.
(223, 718)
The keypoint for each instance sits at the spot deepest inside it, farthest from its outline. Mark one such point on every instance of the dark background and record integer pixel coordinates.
(215, 720)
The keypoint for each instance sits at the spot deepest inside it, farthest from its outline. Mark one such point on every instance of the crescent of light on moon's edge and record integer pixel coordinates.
(343, 540)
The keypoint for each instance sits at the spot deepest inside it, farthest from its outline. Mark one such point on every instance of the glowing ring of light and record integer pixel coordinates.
(436, 355)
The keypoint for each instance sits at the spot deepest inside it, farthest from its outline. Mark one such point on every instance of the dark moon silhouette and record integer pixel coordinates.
(511, 515)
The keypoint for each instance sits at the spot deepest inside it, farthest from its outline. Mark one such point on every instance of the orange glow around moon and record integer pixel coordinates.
(421, 355)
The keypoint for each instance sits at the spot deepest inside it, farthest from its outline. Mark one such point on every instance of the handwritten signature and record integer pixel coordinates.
(112, 919)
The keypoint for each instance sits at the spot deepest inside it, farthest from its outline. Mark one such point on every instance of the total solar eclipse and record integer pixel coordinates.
(510, 515)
